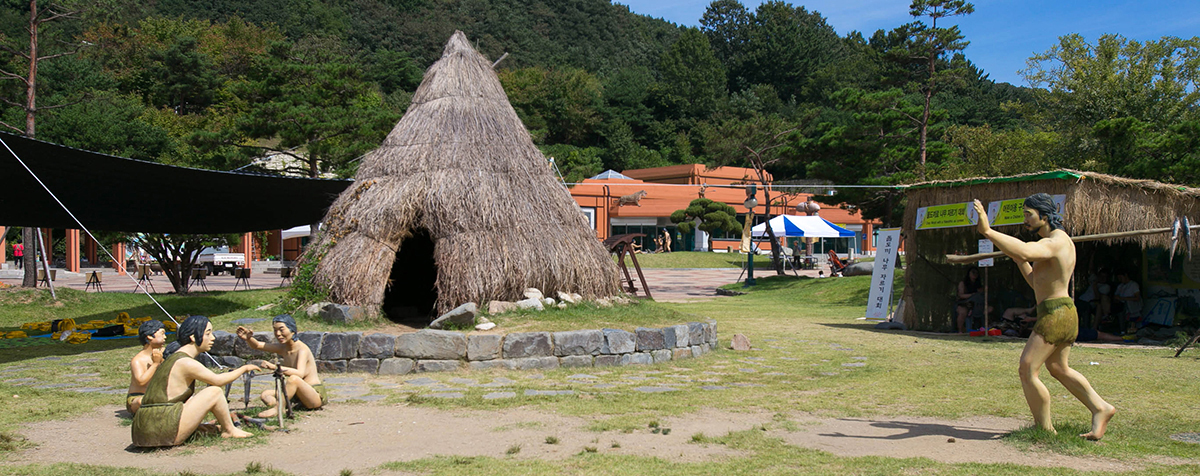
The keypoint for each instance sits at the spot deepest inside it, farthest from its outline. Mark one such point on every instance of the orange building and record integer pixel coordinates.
(672, 188)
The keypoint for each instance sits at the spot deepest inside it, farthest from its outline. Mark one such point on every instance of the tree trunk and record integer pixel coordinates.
(29, 279)
(31, 80)
(762, 178)
(887, 217)
(29, 260)
(924, 126)
(775, 261)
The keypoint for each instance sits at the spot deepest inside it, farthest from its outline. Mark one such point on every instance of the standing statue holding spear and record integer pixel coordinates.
(1047, 265)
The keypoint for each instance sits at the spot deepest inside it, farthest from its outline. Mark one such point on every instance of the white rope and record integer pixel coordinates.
(93, 237)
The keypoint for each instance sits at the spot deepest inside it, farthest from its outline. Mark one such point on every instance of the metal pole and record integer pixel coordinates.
(986, 326)
(46, 263)
(750, 256)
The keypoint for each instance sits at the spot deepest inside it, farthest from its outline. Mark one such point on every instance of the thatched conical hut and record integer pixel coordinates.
(457, 205)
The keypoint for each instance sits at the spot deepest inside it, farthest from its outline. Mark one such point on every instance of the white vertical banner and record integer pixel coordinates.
(880, 296)
(985, 246)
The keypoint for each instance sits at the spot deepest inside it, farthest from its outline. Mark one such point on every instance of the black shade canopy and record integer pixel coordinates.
(118, 194)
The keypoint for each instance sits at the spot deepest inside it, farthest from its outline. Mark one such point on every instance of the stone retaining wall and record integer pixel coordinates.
(442, 351)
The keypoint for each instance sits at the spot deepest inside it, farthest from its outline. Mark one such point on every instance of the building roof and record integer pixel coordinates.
(696, 174)
(610, 174)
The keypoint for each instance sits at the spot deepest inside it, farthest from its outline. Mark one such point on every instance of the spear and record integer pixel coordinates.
(1176, 231)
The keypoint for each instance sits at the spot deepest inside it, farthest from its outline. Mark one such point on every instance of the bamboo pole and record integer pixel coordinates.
(963, 259)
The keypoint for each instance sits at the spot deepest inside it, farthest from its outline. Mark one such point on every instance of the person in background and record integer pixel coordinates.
(970, 300)
(19, 254)
(1129, 294)
(1090, 301)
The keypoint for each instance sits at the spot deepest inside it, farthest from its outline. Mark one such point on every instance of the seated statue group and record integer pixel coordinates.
(167, 409)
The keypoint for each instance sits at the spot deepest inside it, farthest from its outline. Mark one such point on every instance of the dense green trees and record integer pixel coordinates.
(221, 83)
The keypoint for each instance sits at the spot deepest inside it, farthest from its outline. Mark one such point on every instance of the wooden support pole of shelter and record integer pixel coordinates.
(118, 251)
(90, 251)
(3, 245)
(963, 259)
(72, 256)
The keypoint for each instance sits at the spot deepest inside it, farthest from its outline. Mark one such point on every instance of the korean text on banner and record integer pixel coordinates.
(1012, 211)
(946, 216)
(880, 296)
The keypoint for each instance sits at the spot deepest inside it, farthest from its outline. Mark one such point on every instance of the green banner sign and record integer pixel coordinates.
(1012, 212)
(946, 216)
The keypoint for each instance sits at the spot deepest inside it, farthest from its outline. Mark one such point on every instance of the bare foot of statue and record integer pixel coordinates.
(268, 413)
(236, 433)
(1100, 423)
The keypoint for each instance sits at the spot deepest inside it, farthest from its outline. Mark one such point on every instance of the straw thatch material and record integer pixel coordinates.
(461, 165)
(1096, 203)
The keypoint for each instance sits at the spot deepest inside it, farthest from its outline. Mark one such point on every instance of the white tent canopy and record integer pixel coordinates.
(806, 226)
(296, 231)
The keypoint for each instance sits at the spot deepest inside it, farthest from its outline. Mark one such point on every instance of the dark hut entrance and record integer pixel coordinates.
(412, 293)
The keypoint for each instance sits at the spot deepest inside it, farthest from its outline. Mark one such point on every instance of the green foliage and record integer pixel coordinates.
(982, 151)
(785, 45)
(713, 216)
(305, 289)
(1121, 106)
(624, 152)
(394, 71)
(110, 123)
(1132, 148)
(183, 77)
(1152, 81)
(558, 106)
(576, 163)
(693, 81)
(312, 102)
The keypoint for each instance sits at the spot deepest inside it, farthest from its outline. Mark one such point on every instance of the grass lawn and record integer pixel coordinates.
(797, 320)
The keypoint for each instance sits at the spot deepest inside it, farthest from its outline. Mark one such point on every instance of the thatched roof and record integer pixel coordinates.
(461, 166)
(1096, 203)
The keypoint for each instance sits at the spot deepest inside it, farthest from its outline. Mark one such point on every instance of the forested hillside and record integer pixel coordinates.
(219, 83)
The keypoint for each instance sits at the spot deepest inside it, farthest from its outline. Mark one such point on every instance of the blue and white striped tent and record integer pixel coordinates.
(806, 226)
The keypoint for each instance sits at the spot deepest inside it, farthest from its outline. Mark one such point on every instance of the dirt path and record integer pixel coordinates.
(359, 437)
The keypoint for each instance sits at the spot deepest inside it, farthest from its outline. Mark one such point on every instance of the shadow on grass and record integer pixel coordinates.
(916, 430)
(208, 304)
(57, 349)
(870, 327)
(845, 291)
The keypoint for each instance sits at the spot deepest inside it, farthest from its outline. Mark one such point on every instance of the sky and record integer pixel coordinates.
(1003, 33)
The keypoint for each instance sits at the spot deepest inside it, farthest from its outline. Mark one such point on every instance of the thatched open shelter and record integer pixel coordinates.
(457, 205)
(1095, 203)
